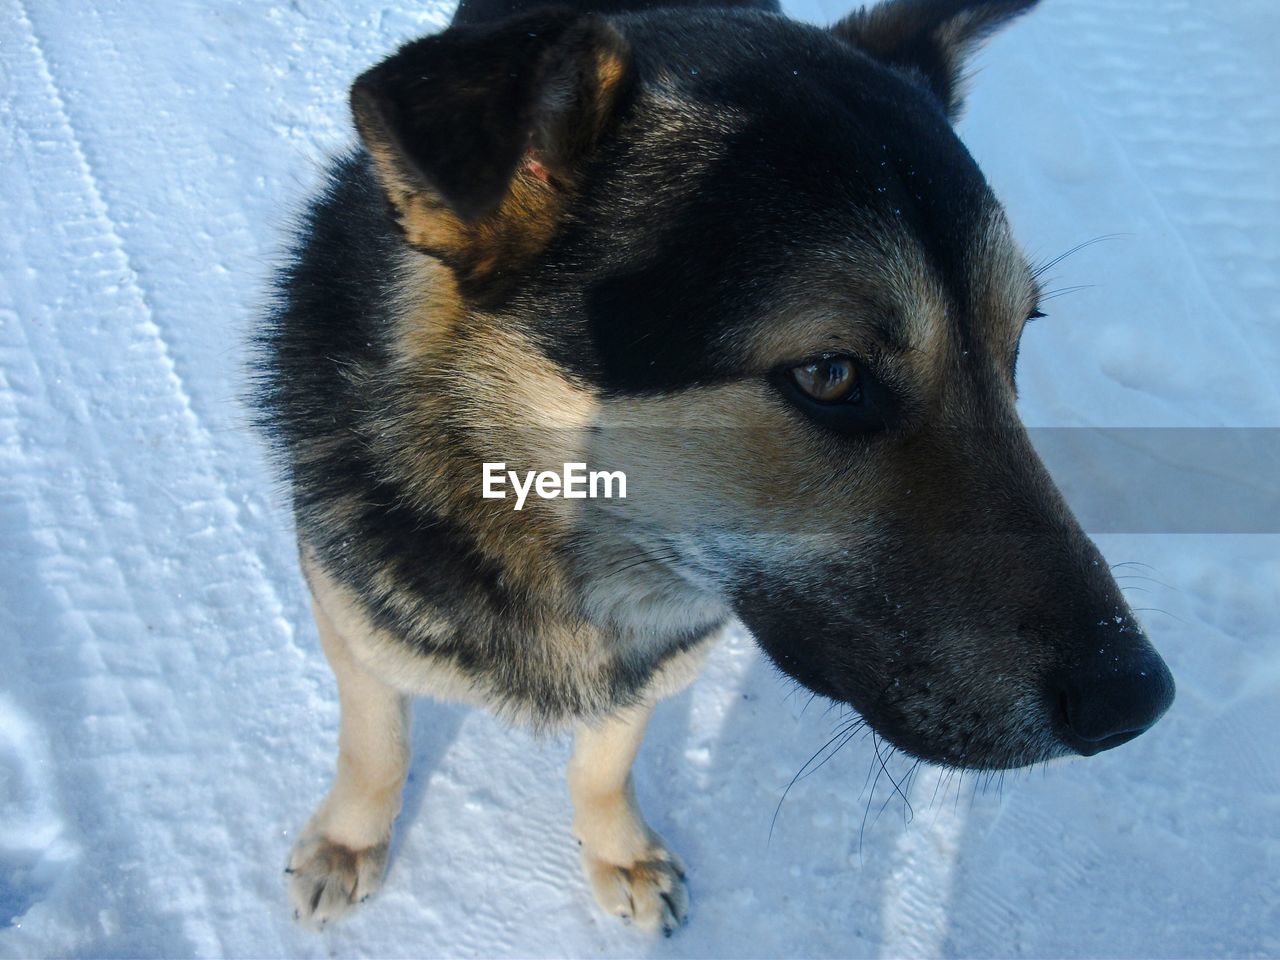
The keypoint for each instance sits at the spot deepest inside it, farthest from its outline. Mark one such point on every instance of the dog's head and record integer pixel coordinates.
(794, 305)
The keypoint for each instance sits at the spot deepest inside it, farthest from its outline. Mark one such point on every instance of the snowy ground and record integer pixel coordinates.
(166, 719)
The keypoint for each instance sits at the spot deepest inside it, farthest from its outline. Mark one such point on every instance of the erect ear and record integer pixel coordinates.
(478, 133)
(934, 38)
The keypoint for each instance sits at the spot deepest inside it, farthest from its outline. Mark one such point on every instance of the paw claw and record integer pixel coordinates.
(649, 893)
(328, 880)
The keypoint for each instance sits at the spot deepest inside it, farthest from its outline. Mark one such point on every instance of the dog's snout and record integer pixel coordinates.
(1110, 697)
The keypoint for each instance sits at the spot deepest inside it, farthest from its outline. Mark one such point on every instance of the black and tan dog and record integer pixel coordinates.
(746, 262)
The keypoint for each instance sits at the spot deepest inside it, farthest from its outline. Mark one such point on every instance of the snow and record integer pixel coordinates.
(167, 720)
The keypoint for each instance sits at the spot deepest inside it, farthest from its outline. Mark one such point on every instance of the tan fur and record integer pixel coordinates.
(341, 854)
(491, 384)
(430, 308)
(632, 872)
(519, 227)
(517, 230)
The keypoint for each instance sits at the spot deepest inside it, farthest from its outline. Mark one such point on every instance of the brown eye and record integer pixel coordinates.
(828, 379)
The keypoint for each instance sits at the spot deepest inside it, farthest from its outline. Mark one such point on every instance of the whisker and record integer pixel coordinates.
(908, 781)
(1131, 563)
(908, 812)
(862, 831)
(1040, 270)
(849, 735)
(955, 807)
(1140, 576)
(773, 822)
(946, 778)
(1158, 610)
(1063, 291)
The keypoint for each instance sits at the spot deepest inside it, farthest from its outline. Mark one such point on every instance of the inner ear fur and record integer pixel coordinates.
(479, 133)
(933, 39)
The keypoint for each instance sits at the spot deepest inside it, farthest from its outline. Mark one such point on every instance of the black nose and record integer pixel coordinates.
(1110, 697)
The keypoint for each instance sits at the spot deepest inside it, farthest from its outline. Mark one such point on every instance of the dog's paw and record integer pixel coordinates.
(328, 880)
(650, 893)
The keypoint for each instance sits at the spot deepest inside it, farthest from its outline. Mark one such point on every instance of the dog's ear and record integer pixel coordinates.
(932, 38)
(478, 133)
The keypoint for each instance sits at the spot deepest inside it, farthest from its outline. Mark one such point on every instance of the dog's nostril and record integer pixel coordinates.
(1109, 698)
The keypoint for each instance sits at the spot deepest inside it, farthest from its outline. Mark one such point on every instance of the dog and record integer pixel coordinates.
(747, 264)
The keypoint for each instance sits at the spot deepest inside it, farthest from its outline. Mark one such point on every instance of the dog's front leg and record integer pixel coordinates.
(632, 872)
(341, 855)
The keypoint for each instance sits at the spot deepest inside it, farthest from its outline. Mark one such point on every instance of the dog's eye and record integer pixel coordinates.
(831, 379)
(837, 392)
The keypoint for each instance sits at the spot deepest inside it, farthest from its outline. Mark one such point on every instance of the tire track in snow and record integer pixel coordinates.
(107, 60)
(915, 911)
(64, 512)
(96, 534)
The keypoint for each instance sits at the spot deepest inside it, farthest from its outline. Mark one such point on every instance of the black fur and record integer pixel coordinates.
(483, 11)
